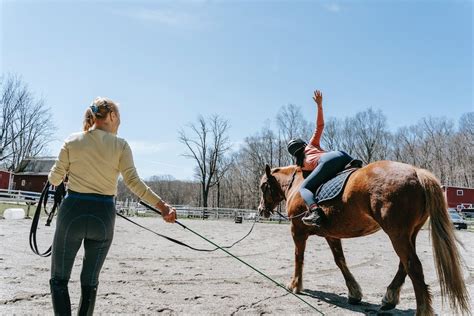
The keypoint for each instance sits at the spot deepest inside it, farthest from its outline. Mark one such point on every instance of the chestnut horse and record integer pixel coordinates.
(392, 196)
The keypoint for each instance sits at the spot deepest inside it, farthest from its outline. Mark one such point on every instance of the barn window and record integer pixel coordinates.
(23, 182)
(459, 192)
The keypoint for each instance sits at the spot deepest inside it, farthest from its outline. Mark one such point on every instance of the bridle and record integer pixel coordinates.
(292, 180)
(268, 186)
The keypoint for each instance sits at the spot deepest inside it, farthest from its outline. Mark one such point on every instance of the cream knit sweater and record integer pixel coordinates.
(93, 161)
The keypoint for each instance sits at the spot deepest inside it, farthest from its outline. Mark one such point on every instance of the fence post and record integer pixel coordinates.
(28, 211)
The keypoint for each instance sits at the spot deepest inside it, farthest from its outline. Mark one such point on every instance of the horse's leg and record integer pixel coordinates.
(355, 292)
(405, 249)
(299, 238)
(392, 296)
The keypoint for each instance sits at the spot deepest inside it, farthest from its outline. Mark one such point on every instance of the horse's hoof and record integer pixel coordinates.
(354, 301)
(387, 306)
(293, 288)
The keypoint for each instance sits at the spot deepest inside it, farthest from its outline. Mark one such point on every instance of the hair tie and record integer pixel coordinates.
(94, 109)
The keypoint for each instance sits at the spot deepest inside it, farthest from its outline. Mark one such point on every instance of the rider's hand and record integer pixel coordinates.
(318, 98)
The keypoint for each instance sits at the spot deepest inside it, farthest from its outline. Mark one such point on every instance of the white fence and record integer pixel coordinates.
(136, 209)
(20, 196)
(184, 211)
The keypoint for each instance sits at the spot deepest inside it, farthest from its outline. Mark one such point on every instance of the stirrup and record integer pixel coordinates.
(313, 218)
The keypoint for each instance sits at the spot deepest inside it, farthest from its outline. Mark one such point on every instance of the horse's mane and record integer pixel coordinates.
(286, 170)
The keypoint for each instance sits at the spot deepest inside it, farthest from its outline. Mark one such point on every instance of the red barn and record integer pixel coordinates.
(5, 179)
(32, 174)
(459, 197)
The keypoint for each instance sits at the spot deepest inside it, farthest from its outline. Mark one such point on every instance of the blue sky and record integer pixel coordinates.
(166, 62)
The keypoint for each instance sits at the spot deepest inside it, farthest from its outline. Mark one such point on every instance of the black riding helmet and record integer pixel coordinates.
(296, 145)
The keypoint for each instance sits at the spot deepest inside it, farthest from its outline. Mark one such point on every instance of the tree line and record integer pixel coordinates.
(26, 124)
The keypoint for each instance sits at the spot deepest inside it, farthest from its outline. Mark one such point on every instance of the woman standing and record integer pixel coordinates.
(93, 161)
(322, 165)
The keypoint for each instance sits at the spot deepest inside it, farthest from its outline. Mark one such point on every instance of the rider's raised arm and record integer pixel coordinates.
(315, 140)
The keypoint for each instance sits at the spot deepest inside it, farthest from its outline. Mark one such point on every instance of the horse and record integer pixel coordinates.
(395, 197)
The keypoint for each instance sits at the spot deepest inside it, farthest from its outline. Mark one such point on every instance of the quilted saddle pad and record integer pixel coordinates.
(333, 187)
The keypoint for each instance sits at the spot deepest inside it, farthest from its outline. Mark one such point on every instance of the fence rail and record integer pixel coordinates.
(21, 196)
(184, 211)
(136, 209)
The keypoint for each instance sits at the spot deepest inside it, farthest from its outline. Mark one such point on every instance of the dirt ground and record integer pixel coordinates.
(145, 274)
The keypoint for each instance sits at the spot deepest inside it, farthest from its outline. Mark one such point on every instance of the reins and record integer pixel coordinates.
(289, 218)
(58, 195)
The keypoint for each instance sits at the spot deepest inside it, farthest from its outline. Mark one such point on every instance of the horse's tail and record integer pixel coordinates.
(446, 254)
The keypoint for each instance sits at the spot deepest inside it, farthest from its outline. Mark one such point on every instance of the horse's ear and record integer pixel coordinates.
(268, 171)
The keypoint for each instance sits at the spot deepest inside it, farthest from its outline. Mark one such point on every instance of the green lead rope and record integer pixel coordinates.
(233, 256)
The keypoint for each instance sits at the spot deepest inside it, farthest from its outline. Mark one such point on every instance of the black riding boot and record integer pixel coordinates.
(60, 297)
(313, 217)
(87, 303)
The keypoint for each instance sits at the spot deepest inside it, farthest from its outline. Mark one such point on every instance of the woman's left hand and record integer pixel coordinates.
(318, 98)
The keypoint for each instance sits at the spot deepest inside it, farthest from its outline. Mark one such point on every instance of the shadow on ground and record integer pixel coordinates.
(363, 307)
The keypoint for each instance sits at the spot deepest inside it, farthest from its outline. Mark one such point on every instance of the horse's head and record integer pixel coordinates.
(272, 193)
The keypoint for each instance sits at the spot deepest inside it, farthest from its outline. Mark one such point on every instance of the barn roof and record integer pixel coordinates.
(35, 166)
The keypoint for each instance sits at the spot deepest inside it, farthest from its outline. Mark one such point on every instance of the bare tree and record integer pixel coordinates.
(405, 145)
(175, 191)
(25, 123)
(207, 146)
(8, 101)
(369, 133)
(242, 180)
(462, 172)
(466, 126)
(438, 134)
(291, 124)
(123, 192)
(464, 149)
(333, 135)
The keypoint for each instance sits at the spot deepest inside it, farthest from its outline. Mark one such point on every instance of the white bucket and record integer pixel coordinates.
(14, 213)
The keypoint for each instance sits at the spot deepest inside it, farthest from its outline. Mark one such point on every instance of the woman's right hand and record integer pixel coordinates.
(318, 98)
